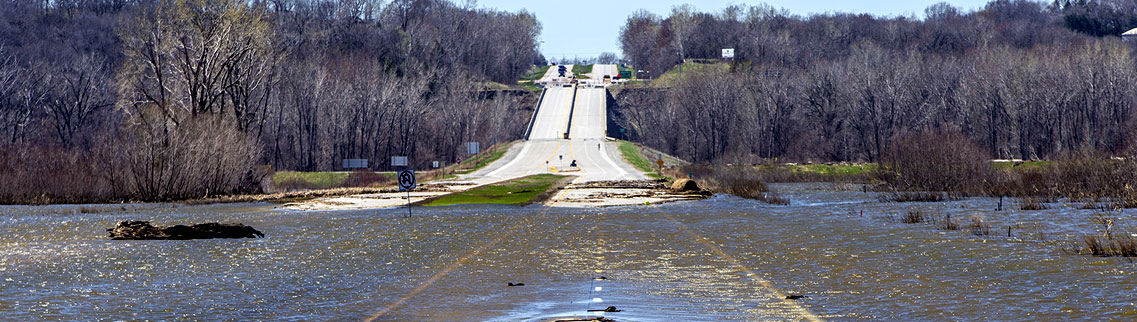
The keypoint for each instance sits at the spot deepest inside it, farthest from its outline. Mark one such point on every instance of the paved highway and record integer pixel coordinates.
(547, 151)
(552, 73)
(598, 71)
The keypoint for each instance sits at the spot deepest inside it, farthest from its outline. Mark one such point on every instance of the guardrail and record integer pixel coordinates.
(529, 130)
(572, 108)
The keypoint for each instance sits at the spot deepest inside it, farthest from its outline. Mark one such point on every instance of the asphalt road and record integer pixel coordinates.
(547, 151)
(598, 71)
(552, 73)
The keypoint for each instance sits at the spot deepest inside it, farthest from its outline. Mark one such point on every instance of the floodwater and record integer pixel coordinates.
(723, 258)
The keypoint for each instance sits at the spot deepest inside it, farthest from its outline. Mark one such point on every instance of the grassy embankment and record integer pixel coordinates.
(634, 156)
(529, 82)
(296, 180)
(475, 163)
(521, 191)
(692, 66)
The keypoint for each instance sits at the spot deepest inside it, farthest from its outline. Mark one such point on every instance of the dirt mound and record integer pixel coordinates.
(143, 230)
(685, 185)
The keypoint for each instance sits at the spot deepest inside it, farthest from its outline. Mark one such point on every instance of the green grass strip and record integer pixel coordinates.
(315, 179)
(484, 159)
(519, 191)
(580, 70)
(835, 169)
(632, 155)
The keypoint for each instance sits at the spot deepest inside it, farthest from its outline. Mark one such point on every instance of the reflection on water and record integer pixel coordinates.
(719, 259)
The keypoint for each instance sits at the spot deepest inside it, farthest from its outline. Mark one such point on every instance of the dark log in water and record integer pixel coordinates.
(142, 230)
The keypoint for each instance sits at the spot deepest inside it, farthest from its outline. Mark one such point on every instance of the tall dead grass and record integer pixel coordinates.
(742, 181)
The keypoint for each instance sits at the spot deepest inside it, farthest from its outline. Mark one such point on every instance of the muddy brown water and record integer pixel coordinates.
(723, 258)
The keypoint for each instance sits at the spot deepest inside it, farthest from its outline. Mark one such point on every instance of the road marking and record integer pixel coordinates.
(803, 312)
(509, 233)
(449, 269)
(516, 158)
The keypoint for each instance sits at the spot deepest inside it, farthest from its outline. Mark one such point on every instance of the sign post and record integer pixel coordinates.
(407, 183)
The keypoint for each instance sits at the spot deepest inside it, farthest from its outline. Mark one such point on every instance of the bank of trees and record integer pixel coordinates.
(1012, 77)
(169, 99)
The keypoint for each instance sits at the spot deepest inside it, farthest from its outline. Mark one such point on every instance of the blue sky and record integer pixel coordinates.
(586, 28)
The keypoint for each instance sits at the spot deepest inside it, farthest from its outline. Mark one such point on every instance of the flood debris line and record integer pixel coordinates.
(142, 230)
(608, 309)
(591, 319)
(629, 192)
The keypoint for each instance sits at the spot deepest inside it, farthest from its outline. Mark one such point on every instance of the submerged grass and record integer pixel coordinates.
(912, 217)
(521, 191)
(1101, 246)
(947, 223)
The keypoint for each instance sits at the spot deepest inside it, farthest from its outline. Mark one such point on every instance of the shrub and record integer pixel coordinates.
(1097, 245)
(947, 223)
(1033, 203)
(742, 181)
(979, 226)
(199, 157)
(946, 161)
(912, 217)
(916, 197)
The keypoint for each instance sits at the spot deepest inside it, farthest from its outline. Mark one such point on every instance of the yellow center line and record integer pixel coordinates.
(554, 152)
(454, 266)
(803, 312)
(449, 269)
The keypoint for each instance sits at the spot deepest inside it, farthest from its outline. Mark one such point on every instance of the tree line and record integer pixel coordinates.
(168, 99)
(1016, 77)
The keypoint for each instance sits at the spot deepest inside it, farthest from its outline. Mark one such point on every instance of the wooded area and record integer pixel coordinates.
(1024, 79)
(169, 99)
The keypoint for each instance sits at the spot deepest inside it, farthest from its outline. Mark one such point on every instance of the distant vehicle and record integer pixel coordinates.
(562, 70)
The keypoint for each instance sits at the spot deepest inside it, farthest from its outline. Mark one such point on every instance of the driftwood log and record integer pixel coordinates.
(140, 230)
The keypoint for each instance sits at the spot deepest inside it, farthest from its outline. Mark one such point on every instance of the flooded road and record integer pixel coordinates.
(723, 258)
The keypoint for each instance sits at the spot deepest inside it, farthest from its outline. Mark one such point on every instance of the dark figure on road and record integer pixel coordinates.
(573, 164)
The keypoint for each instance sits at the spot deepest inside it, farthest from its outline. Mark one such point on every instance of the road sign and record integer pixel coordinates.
(355, 163)
(407, 180)
(435, 164)
(472, 147)
(728, 53)
(399, 161)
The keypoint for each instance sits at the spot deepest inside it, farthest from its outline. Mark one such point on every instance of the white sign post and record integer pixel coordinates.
(728, 53)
